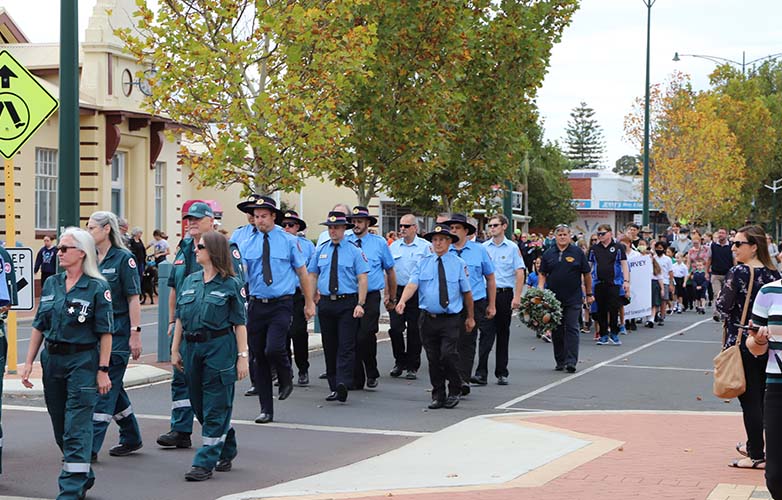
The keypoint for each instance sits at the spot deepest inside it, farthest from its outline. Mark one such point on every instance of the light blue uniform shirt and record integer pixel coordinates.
(307, 248)
(242, 233)
(479, 265)
(426, 276)
(506, 258)
(286, 257)
(352, 262)
(377, 253)
(406, 257)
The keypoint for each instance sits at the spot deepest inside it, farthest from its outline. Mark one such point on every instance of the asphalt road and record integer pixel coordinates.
(656, 369)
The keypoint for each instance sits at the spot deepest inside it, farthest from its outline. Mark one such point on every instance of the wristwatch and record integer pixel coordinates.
(137, 329)
(243, 354)
(360, 304)
(103, 368)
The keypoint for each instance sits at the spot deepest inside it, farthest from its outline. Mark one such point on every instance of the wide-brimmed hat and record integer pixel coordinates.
(337, 219)
(460, 219)
(265, 202)
(442, 230)
(360, 212)
(294, 216)
(251, 199)
(199, 210)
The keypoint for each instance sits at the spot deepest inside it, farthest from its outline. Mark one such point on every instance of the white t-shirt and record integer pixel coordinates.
(680, 270)
(666, 266)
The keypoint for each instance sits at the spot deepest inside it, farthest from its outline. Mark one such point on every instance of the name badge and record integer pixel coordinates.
(324, 256)
(217, 293)
(110, 270)
(188, 292)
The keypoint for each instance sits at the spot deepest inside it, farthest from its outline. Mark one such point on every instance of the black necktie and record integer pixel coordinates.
(459, 251)
(333, 278)
(266, 261)
(443, 283)
(358, 243)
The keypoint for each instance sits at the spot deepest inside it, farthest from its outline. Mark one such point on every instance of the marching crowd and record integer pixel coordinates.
(239, 306)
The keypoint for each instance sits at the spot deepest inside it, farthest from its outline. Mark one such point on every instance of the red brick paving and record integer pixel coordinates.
(665, 456)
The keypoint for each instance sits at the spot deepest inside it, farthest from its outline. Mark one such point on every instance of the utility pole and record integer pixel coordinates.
(776, 186)
(645, 218)
(68, 176)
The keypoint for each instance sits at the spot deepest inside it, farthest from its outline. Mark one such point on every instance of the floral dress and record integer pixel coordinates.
(730, 303)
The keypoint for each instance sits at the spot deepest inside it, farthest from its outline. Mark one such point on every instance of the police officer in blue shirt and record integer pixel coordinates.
(275, 266)
(445, 300)
(480, 271)
(8, 298)
(200, 220)
(381, 268)
(339, 270)
(297, 334)
(509, 274)
(407, 252)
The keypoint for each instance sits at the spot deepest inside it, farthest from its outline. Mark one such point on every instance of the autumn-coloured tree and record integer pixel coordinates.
(258, 83)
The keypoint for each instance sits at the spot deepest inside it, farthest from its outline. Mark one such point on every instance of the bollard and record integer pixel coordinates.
(164, 270)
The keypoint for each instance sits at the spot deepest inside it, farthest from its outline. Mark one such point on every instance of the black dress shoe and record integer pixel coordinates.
(332, 396)
(436, 404)
(342, 393)
(285, 391)
(264, 418)
(559, 368)
(570, 369)
(465, 389)
(502, 380)
(304, 378)
(251, 392)
(323, 376)
(371, 382)
(397, 371)
(451, 402)
(198, 474)
(224, 465)
(122, 449)
(174, 438)
(477, 379)
(411, 375)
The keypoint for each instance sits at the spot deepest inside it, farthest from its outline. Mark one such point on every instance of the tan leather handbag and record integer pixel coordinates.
(729, 381)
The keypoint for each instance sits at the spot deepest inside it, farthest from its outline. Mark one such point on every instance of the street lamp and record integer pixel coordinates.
(645, 217)
(776, 186)
(722, 60)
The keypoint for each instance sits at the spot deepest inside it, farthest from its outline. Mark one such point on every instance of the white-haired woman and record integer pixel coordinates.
(138, 249)
(119, 267)
(74, 315)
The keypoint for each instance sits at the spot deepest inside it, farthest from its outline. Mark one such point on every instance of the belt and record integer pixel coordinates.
(441, 315)
(342, 296)
(272, 300)
(506, 289)
(205, 335)
(67, 347)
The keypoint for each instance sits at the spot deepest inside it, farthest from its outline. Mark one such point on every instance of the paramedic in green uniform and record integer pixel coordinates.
(73, 316)
(8, 298)
(200, 220)
(211, 328)
(120, 269)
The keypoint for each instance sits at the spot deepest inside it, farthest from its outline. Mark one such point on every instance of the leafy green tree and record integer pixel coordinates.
(256, 83)
(628, 165)
(584, 141)
(550, 194)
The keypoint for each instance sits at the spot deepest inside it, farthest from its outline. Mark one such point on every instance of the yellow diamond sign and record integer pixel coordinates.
(24, 105)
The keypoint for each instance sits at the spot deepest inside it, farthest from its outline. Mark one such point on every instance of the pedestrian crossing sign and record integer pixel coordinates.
(24, 105)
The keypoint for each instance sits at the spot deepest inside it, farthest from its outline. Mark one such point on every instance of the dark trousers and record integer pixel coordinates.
(565, 337)
(440, 337)
(773, 417)
(406, 358)
(607, 299)
(752, 402)
(298, 335)
(267, 334)
(338, 331)
(366, 341)
(498, 327)
(468, 340)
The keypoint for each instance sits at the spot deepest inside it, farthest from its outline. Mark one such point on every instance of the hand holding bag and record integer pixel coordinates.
(729, 381)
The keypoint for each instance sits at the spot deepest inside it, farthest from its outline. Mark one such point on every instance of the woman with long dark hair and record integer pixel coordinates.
(751, 251)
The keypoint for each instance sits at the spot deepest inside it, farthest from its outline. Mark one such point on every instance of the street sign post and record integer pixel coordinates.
(25, 285)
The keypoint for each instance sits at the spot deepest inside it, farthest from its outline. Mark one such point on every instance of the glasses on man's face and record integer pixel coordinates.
(405, 226)
(738, 243)
(201, 246)
(64, 248)
(492, 225)
(601, 233)
(289, 224)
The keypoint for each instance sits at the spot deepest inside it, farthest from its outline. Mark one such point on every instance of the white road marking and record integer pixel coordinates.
(672, 368)
(278, 425)
(581, 373)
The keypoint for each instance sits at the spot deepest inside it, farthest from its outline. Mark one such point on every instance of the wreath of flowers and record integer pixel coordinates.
(540, 310)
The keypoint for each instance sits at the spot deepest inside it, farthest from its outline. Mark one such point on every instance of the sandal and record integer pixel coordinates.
(741, 449)
(754, 464)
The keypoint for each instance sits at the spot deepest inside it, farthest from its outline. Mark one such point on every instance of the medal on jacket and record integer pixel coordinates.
(83, 312)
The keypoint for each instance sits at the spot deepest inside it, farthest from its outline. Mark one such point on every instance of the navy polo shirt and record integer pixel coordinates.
(564, 271)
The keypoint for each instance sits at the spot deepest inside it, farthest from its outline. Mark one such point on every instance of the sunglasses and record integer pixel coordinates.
(201, 246)
(492, 225)
(405, 226)
(737, 243)
(65, 248)
(289, 224)
(601, 233)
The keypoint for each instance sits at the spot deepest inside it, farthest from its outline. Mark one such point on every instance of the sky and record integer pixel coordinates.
(601, 58)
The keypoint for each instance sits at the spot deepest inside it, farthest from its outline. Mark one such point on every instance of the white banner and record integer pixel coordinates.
(640, 305)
